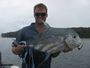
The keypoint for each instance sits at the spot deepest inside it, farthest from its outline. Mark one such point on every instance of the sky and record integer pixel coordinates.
(15, 14)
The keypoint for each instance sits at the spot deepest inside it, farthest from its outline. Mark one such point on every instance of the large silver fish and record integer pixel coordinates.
(54, 39)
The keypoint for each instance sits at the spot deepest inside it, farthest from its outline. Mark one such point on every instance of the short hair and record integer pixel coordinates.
(40, 5)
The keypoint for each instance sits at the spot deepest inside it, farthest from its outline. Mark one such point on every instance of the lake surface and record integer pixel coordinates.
(73, 59)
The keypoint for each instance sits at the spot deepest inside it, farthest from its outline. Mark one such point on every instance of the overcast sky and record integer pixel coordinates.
(14, 14)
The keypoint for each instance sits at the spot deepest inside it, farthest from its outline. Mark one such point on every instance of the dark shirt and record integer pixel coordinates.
(29, 34)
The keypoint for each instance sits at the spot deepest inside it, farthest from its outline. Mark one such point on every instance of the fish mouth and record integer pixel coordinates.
(79, 48)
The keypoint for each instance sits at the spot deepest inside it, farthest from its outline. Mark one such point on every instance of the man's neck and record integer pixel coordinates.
(39, 27)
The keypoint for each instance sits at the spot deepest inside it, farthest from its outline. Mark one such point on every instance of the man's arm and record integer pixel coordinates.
(16, 48)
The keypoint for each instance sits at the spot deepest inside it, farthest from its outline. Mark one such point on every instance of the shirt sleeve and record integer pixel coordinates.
(19, 36)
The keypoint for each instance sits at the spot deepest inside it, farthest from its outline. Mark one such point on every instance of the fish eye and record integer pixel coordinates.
(74, 36)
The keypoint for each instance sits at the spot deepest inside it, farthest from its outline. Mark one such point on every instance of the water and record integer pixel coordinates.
(73, 59)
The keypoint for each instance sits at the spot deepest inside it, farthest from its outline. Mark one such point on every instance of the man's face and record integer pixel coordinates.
(40, 15)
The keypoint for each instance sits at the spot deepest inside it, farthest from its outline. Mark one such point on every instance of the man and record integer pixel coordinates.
(33, 58)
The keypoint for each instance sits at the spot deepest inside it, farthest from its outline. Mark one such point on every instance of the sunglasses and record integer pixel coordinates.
(40, 14)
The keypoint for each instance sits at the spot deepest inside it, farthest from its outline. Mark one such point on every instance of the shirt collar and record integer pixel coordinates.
(46, 26)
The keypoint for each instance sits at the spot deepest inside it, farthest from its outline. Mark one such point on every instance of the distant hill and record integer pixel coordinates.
(9, 34)
(83, 33)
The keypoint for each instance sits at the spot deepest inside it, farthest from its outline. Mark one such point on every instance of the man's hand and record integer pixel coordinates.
(66, 48)
(18, 50)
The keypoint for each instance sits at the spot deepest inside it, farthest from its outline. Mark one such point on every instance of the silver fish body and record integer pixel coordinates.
(54, 39)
